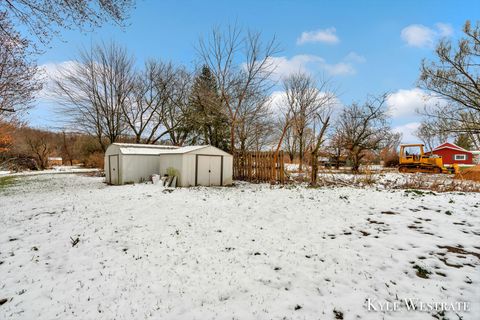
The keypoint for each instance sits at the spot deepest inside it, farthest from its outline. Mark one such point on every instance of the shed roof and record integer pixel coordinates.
(145, 149)
(139, 145)
(188, 149)
(152, 149)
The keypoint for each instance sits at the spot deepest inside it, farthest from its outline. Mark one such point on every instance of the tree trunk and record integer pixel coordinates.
(291, 156)
(355, 163)
(314, 153)
(232, 138)
(313, 180)
(300, 154)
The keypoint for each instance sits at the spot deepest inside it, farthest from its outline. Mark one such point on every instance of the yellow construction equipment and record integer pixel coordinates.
(413, 159)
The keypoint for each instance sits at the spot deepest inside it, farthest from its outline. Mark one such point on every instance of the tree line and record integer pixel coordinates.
(25, 148)
(220, 103)
(225, 101)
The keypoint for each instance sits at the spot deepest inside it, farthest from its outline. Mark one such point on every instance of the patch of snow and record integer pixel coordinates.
(53, 170)
(245, 252)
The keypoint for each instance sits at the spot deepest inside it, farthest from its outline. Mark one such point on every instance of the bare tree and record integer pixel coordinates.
(336, 148)
(363, 128)
(18, 80)
(176, 110)
(94, 90)
(43, 18)
(290, 141)
(431, 134)
(151, 94)
(323, 119)
(304, 99)
(39, 144)
(255, 124)
(66, 142)
(389, 152)
(326, 101)
(22, 20)
(242, 64)
(454, 77)
(306, 113)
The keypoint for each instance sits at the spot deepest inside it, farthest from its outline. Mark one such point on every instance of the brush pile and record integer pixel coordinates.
(472, 173)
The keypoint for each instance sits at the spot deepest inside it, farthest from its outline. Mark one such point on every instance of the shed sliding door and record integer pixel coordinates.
(209, 170)
(113, 169)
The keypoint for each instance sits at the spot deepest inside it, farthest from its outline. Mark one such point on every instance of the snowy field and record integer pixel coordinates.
(72, 247)
(53, 170)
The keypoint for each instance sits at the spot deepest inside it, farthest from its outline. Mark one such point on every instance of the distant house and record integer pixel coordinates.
(451, 154)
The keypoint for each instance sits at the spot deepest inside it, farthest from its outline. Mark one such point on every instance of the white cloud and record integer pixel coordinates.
(408, 132)
(278, 101)
(444, 29)
(324, 35)
(51, 71)
(341, 68)
(418, 35)
(405, 102)
(285, 66)
(355, 57)
(310, 64)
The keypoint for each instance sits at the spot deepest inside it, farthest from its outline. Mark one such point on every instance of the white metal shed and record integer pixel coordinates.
(193, 165)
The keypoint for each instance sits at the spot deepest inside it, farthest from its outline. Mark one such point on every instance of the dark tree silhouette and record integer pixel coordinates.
(18, 80)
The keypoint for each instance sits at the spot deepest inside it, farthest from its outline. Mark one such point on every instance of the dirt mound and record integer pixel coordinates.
(472, 173)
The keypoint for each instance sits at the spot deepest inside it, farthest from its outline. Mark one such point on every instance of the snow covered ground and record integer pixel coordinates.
(242, 252)
(53, 170)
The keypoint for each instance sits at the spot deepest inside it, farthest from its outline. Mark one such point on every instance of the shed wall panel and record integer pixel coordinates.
(188, 170)
(137, 168)
(227, 170)
(106, 169)
(174, 161)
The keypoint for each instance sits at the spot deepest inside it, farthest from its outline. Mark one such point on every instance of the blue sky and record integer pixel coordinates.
(366, 47)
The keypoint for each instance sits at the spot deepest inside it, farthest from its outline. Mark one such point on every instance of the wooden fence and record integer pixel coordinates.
(259, 166)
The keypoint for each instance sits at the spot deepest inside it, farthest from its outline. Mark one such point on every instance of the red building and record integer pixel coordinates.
(451, 153)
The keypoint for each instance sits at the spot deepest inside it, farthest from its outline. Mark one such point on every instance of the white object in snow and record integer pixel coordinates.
(155, 178)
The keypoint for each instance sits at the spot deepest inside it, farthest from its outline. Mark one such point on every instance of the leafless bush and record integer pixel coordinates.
(442, 183)
(95, 160)
(439, 184)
